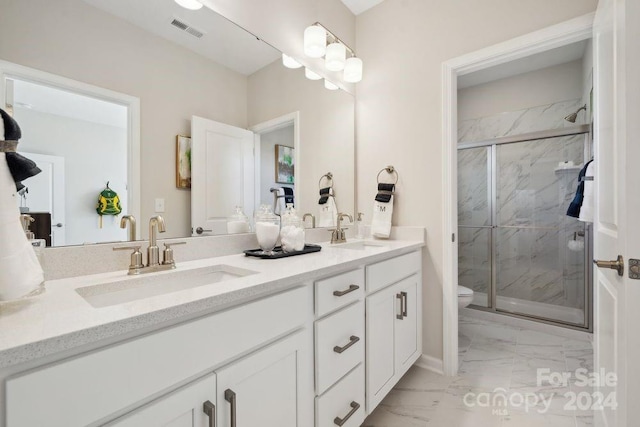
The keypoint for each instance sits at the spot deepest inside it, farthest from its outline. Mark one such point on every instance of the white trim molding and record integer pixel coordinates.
(562, 34)
(430, 363)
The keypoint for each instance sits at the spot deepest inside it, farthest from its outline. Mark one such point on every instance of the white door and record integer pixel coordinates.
(222, 174)
(264, 388)
(184, 407)
(617, 212)
(47, 193)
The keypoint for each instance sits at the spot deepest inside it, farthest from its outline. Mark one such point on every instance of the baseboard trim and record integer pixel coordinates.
(431, 364)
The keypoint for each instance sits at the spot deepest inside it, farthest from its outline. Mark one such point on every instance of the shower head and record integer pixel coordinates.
(573, 116)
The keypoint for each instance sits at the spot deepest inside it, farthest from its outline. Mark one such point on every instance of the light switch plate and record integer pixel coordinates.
(159, 205)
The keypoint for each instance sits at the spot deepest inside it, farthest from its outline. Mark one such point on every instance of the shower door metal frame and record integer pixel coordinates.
(492, 163)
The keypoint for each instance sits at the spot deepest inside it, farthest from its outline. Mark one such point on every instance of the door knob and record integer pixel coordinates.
(201, 230)
(59, 225)
(618, 264)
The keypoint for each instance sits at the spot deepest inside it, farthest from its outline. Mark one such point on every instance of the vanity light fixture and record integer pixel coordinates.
(353, 70)
(315, 41)
(190, 4)
(335, 57)
(289, 62)
(329, 85)
(311, 75)
(316, 38)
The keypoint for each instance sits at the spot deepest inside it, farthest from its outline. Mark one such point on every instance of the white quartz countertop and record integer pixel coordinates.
(60, 319)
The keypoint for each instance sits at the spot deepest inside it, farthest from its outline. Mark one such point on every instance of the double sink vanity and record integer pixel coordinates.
(313, 340)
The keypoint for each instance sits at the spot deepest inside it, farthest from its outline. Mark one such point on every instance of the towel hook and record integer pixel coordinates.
(391, 171)
(329, 177)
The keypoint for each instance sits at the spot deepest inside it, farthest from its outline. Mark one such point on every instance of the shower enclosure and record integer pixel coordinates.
(518, 250)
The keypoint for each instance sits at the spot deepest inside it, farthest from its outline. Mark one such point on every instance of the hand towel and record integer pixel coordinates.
(328, 216)
(20, 271)
(576, 203)
(382, 211)
(279, 205)
(288, 195)
(588, 201)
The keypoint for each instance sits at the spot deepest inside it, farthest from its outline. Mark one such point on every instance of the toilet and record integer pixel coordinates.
(465, 297)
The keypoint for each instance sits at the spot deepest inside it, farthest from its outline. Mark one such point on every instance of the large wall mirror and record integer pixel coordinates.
(106, 90)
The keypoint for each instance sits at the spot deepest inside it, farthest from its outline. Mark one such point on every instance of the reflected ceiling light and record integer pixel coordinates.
(311, 75)
(353, 70)
(335, 57)
(190, 4)
(329, 85)
(289, 62)
(315, 41)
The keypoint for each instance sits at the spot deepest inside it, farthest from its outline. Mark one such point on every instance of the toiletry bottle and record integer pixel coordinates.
(38, 244)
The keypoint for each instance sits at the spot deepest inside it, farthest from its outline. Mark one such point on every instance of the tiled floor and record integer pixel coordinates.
(498, 374)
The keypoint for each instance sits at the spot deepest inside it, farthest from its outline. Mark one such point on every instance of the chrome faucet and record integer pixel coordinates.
(153, 252)
(132, 226)
(337, 235)
(313, 219)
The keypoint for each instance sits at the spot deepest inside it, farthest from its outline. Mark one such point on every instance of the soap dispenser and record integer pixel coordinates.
(38, 244)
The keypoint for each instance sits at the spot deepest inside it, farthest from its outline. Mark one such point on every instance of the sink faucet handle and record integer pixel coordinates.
(167, 254)
(136, 258)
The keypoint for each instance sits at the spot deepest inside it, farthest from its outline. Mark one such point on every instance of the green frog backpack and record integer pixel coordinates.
(108, 203)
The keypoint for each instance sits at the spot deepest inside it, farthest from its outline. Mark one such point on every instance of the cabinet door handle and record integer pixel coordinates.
(210, 409)
(340, 421)
(352, 340)
(400, 316)
(404, 305)
(346, 291)
(230, 396)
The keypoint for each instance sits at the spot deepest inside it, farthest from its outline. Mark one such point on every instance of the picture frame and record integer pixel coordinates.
(183, 162)
(285, 164)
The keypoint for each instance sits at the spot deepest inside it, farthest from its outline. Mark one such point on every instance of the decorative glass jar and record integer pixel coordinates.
(238, 222)
(267, 229)
(292, 232)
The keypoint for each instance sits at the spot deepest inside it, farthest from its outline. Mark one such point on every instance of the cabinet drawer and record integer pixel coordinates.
(338, 291)
(388, 272)
(346, 397)
(88, 388)
(339, 345)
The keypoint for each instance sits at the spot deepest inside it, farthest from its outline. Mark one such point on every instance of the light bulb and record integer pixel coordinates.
(353, 70)
(329, 85)
(311, 75)
(335, 57)
(315, 41)
(289, 62)
(190, 4)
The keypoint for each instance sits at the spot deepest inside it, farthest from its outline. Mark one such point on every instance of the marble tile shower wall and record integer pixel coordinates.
(533, 261)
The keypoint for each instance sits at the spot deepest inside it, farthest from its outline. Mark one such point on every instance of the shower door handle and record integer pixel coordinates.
(618, 264)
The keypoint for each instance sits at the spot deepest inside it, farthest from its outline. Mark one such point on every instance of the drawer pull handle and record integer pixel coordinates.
(210, 409)
(230, 396)
(352, 340)
(341, 421)
(400, 316)
(347, 291)
(404, 306)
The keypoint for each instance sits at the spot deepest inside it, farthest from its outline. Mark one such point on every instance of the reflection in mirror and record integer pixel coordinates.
(179, 64)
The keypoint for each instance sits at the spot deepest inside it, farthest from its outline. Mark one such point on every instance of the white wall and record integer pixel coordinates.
(72, 39)
(403, 44)
(540, 87)
(268, 142)
(327, 130)
(88, 167)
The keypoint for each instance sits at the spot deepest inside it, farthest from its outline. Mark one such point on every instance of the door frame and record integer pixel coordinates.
(132, 103)
(269, 126)
(558, 35)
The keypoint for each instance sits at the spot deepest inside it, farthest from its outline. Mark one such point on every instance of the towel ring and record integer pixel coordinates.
(329, 177)
(391, 171)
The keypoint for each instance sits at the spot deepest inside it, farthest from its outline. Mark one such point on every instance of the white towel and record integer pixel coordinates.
(586, 210)
(20, 272)
(279, 207)
(328, 213)
(381, 219)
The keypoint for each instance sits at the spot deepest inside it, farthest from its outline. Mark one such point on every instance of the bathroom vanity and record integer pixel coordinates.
(315, 340)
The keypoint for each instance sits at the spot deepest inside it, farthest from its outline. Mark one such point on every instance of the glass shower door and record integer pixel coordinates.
(538, 271)
(474, 223)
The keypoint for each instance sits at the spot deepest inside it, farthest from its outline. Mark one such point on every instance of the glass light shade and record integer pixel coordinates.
(311, 75)
(289, 62)
(190, 4)
(335, 57)
(353, 70)
(315, 41)
(329, 85)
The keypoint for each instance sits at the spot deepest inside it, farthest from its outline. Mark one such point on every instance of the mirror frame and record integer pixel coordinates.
(11, 70)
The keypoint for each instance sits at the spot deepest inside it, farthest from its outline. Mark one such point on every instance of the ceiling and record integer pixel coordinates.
(359, 6)
(223, 41)
(549, 58)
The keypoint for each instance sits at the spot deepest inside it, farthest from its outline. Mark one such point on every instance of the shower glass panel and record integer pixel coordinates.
(474, 223)
(536, 274)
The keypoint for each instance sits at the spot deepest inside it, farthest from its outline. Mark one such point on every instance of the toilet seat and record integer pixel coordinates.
(463, 291)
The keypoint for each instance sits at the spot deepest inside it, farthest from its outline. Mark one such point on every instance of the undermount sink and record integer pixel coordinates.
(359, 245)
(114, 293)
